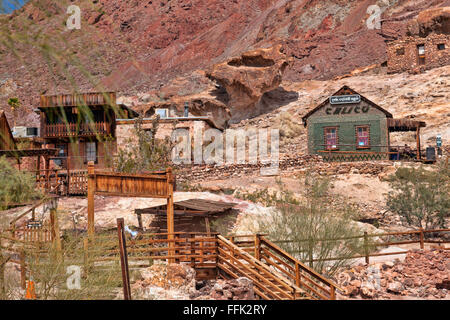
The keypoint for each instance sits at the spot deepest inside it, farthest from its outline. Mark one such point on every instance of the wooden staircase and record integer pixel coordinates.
(275, 274)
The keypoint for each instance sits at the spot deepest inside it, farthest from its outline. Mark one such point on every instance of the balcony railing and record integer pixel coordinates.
(76, 130)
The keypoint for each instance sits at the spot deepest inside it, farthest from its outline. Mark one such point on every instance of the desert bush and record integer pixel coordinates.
(144, 151)
(50, 272)
(311, 228)
(16, 186)
(421, 197)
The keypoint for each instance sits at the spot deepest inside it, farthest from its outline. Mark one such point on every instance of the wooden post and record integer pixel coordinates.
(208, 226)
(55, 233)
(176, 251)
(297, 275)
(192, 239)
(86, 255)
(170, 218)
(366, 247)
(23, 270)
(422, 243)
(47, 173)
(68, 174)
(332, 293)
(124, 259)
(257, 247)
(91, 192)
(139, 217)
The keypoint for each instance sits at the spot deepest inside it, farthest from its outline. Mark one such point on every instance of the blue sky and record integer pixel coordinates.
(6, 6)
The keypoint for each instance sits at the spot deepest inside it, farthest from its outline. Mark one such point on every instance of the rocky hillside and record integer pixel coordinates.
(141, 46)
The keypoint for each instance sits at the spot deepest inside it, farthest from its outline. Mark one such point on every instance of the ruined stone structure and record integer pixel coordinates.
(416, 54)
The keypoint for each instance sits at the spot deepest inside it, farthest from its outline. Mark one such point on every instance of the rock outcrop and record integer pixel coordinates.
(177, 282)
(235, 289)
(423, 274)
(436, 20)
(165, 281)
(247, 78)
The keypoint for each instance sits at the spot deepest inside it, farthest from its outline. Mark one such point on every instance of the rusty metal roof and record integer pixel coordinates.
(192, 207)
(405, 124)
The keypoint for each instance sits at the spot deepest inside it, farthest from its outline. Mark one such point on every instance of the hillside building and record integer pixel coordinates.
(348, 126)
(82, 127)
(416, 54)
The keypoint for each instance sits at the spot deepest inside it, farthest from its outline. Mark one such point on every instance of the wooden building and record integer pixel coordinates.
(193, 215)
(348, 126)
(6, 138)
(82, 127)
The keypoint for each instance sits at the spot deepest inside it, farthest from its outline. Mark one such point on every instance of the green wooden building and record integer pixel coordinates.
(348, 126)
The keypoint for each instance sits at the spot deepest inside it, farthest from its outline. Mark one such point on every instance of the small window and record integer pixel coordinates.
(441, 46)
(362, 137)
(91, 151)
(421, 49)
(331, 138)
(401, 51)
(163, 113)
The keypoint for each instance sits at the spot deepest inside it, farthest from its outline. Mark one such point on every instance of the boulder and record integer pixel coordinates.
(434, 20)
(395, 287)
(247, 78)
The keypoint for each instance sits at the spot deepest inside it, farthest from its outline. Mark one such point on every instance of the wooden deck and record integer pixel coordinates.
(65, 130)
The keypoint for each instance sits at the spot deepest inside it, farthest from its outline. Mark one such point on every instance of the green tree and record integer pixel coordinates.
(16, 186)
(15, 105)
(421, 196)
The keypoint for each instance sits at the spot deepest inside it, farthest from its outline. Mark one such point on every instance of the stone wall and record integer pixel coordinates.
(403, 54)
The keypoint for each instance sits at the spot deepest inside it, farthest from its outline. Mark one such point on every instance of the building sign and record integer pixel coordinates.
(354, 98)
(347, 110)
(34, 224)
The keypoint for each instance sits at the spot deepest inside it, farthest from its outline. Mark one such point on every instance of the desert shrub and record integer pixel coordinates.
(269, 198)
(50, 272)
(144, 152)
(421, 197)
(16, 186)
(313, 229)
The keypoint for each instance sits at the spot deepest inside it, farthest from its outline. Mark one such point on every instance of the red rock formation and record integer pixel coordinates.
(246, 78)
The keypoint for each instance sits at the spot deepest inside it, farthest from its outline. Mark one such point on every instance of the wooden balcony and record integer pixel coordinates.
(66, 130)
(71, 100)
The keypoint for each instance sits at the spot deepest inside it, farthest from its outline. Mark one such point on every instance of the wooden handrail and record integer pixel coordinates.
(275, 276)
(300, 266)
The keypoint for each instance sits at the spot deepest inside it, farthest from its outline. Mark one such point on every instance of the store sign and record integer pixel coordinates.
(354, 98)
(347, 110)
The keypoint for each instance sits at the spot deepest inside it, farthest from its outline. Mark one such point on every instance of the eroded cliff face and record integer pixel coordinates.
(247, 78)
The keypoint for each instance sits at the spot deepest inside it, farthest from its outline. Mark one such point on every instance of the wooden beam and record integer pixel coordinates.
(124, 259)
(170, 218)
(91, 192)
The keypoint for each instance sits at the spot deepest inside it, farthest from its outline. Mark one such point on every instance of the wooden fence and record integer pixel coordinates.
(369, 244)
(213, 256)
